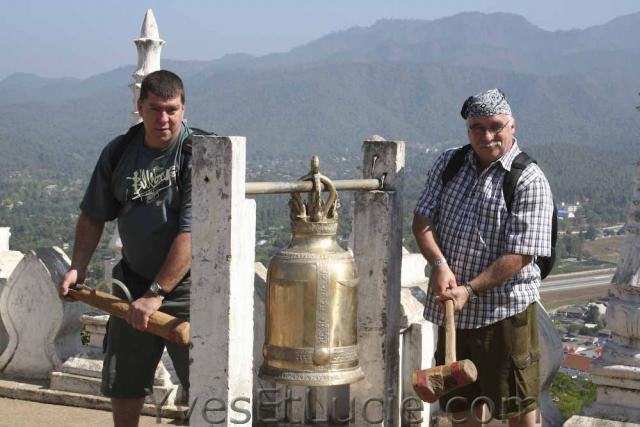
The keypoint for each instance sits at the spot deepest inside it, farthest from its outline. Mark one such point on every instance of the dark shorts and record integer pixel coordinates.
(506, 355)
(132, 356)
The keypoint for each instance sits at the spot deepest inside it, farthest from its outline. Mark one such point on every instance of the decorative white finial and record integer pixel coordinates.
(149, 47)
(149, 28)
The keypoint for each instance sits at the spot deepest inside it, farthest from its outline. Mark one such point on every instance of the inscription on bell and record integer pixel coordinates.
(322, 321)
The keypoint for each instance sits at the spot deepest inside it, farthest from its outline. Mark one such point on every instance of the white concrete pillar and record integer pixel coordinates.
(377, 246)
(222, 293)
(418, 346)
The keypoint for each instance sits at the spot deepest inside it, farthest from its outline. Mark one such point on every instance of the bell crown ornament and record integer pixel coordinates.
(315, 209)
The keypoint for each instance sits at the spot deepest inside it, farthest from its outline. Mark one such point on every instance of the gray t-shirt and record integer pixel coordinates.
(150, 196)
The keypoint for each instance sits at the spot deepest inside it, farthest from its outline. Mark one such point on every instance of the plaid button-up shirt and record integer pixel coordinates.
(474, 229)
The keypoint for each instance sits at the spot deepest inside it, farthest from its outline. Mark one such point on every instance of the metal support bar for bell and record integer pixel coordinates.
(253, 188)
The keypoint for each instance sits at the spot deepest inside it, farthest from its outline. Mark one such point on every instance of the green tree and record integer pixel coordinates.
(571, 395)
(591, 233)
(592, 315)
(602, 323)
(573, 328)
(592, 332)
(569, 245)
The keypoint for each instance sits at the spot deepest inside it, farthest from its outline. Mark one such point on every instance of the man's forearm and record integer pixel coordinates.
(88, 232)
(426, 238)
(174, 268)
(500, 271)
(177, 263)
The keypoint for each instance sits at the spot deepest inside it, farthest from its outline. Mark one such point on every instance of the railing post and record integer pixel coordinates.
(377, 245)
(221, 375)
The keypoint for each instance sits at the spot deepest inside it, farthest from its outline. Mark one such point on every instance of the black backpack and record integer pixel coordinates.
(122, 144)
(519, 164)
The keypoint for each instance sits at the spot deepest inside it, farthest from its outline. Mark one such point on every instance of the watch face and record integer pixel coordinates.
(472, 296)
(155, 288)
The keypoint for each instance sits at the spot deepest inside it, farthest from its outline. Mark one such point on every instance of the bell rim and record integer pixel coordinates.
(320, 379)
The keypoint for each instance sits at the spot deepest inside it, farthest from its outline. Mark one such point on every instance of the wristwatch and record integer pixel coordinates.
(473, 295)
(438, 261)
(156, 289)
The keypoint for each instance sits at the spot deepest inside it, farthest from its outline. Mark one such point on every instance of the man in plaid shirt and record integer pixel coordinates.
(482, 257)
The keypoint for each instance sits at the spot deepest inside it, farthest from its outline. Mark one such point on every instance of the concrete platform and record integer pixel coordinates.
(36, 400)
(585, 421)
(24, 413)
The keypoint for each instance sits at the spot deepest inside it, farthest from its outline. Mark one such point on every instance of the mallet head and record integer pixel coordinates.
(433, 383)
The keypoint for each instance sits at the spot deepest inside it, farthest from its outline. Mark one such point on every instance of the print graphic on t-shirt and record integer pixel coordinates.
(147, 183)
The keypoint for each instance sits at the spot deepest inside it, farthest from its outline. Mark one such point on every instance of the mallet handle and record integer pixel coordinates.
(161, 324)
(450, 333)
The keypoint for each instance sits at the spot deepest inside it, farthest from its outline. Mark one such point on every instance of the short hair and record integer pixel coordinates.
(162, 83)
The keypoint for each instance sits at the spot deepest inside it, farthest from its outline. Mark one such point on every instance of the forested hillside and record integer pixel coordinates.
(573, 93)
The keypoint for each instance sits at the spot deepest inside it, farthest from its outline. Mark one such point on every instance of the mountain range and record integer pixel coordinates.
(403, 79)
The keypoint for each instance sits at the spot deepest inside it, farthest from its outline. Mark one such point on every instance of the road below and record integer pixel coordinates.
(577, 288)
(574, 282)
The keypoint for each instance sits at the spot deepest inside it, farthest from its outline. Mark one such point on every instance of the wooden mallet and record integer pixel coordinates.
(161, 324)
(431, 384)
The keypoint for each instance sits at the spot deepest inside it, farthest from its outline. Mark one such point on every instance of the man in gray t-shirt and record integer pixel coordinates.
(144, 180)
(144, 191)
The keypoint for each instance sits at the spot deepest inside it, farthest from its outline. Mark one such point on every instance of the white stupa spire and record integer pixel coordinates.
(149, 47)
(149, 28)
(628, 271)
(617, 372)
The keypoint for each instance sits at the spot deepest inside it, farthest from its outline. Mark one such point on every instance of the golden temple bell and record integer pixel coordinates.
(312, 298)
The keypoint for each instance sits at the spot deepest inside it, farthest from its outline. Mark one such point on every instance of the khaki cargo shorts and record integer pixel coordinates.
(506, 355)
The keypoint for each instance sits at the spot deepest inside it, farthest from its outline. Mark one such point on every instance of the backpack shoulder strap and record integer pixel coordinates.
(454, 164)
(123, 143)
(519, 164)
(522, 160)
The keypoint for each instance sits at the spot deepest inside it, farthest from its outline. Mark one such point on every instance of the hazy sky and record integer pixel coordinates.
(80, 38)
